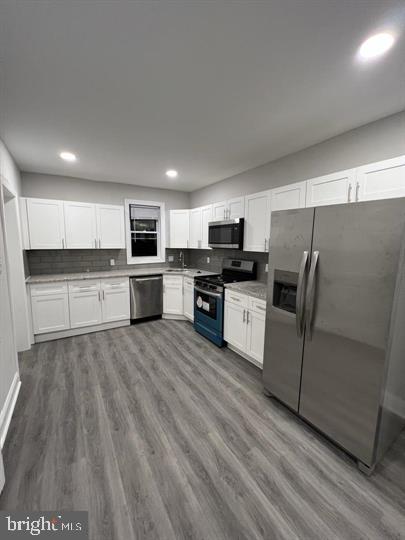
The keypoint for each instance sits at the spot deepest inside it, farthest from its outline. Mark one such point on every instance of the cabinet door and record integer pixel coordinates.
(206, 217)
(256, 323)
(110, 226)
(80, 225)
(236, 208)
(179, 228)
(289, 197)
(115, 299)
(219, 211)
(336, 188)
(195, 228)
(85, 305)
(235, 325)
(173, 295)
(257, 221)
(382, 180)
(188, 299)
(50, 313)
(45, 224)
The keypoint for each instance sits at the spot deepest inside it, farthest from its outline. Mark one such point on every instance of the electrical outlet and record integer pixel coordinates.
(170, 258)
(112, 262)
(208, 260)
(267, 268)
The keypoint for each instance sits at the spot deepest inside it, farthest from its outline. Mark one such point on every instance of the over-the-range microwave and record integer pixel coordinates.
(226, 234)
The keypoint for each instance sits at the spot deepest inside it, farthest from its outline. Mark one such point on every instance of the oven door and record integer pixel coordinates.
(225, 234)
(208, 314)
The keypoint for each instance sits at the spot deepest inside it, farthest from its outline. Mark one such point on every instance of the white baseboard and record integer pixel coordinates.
(50, 336)
(8, 408)
(174, 317)
(245, 356)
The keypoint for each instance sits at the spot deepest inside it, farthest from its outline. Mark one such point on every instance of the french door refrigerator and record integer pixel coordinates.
(335, 325)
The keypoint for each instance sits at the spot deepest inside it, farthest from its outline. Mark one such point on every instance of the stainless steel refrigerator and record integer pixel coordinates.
(335, 324)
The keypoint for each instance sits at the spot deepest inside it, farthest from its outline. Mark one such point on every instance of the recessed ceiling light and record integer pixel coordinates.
(376, 46)
(68, 156)
(171, 173)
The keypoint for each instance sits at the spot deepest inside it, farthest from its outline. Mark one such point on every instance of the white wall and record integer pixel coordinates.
(379, 140)
(11, 191)
(78, 189)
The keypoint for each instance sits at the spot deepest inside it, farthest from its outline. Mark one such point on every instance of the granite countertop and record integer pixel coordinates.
(258, 289)
(125, 272)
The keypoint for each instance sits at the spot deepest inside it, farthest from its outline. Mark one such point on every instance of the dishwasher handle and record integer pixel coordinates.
(147, 278)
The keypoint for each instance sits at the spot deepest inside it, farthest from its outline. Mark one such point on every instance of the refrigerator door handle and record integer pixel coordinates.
(310, 299)
(300, 295)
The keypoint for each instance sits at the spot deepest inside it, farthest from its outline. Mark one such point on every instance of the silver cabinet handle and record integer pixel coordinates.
(99, 243)
(247, 317)
(357, 191)
(310, 298)
(235, 299)
(95, 242)
(99, 296)
(244, 313)
(300, 295)
(265, 244)
(349, 193)
(63, 243)
(103, 294)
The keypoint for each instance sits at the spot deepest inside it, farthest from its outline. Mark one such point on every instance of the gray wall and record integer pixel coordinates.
(379, 140)
(78, 189)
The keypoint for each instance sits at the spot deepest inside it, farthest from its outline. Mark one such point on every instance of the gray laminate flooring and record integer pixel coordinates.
(160, 435)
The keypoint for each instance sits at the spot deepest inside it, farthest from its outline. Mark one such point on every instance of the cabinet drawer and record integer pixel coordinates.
(84, 285)
(45, 289)
(115, 283)
(236, 298)
(255, 304)
(189, 283)
(173, 280)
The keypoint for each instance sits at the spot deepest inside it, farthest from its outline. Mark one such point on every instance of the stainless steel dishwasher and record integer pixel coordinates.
(146, 296)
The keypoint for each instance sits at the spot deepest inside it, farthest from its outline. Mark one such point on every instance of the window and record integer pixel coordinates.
(145, 231)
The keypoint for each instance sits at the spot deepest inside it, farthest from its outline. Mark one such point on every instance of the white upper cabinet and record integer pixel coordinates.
(195, 228)
(179, 228)
(206, 217)
(336, 188)
(45, 224)
(382, 180)
(110, 226)
(288, 197)
(257, 221)
(230, 209)
(236, 208)
(80, 225)
(219, 211)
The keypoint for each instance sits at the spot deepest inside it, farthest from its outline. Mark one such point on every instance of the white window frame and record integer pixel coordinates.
(161, 256)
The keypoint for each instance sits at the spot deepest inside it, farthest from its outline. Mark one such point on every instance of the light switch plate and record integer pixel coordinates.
(208, 260)
(112, 262)
(267, 267)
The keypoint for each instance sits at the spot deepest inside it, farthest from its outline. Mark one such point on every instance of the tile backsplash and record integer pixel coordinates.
(98, 260)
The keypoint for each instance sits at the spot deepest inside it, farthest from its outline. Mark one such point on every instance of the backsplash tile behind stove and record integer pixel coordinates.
(197, 258)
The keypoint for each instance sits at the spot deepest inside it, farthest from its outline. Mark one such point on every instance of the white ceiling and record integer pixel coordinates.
(210, 88)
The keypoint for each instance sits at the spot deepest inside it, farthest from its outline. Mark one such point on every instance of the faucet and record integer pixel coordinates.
(181, 259)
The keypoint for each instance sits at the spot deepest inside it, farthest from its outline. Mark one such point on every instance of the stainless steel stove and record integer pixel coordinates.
(209, 297)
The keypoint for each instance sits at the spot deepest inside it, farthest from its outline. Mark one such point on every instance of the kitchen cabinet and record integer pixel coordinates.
(80, 225)
(173, 295)
(336, 188)
(244, 325)
(288, 197)
(49, 307)
(257, 221)
(85, 303)
(381, 180)
(195, 228)
(115, 299)
(110, 226)
(206, 217)
(46, 227)
(230, 209)
(179, 228)
(188, 298)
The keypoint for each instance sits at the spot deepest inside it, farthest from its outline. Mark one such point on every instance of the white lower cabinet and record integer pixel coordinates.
(85, 303)
(50, 308)
(115, 299)
(173, 295)
(188, 298)
(244, 325)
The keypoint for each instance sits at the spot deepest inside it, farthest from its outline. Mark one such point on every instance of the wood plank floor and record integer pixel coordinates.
(160, 435)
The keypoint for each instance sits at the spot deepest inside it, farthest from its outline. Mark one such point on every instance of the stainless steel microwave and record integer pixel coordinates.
(226, 234)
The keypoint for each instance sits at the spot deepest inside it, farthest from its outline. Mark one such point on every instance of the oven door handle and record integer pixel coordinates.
(209, 293)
